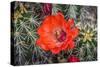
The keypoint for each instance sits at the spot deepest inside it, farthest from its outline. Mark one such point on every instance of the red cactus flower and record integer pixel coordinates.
(57, 34)
(73, 59)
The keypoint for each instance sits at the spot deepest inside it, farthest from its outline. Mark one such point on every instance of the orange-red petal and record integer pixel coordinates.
(70, 22)
(74, 32)
(55, 50)
(71, 45)
(43, 46)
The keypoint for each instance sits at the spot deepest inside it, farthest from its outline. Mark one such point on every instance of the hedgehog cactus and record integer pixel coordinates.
(28, 18)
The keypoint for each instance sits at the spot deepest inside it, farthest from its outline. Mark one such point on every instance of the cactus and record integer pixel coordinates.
(27, 18)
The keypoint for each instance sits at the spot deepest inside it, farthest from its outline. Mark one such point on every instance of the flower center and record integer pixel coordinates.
(60, 35)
